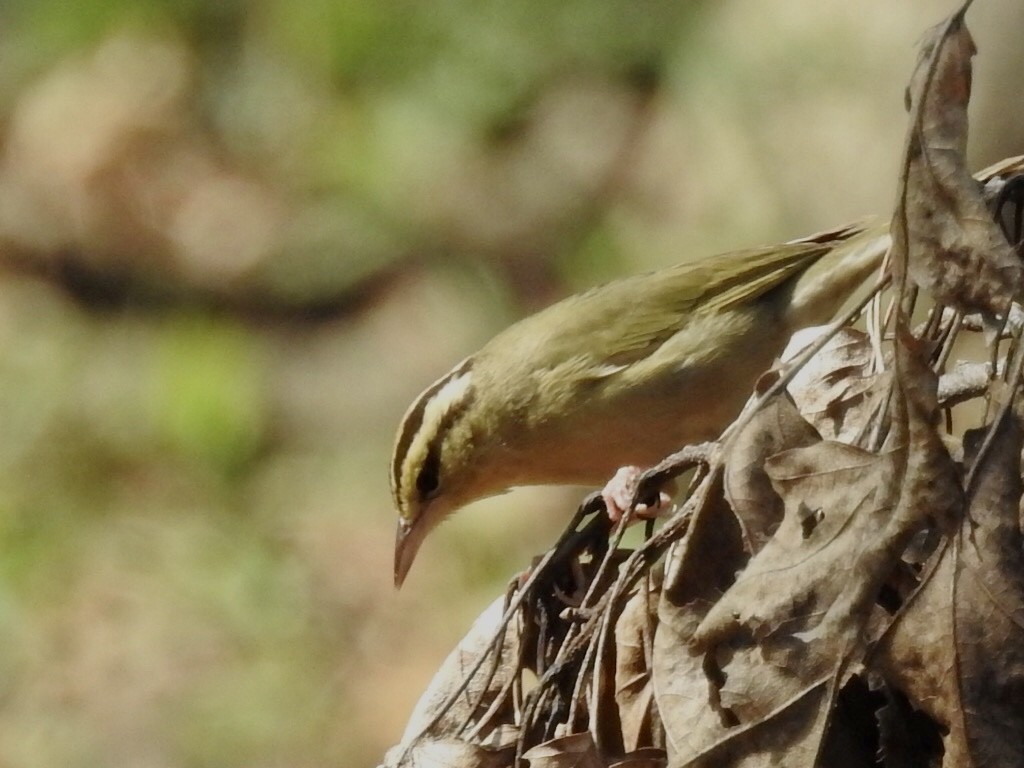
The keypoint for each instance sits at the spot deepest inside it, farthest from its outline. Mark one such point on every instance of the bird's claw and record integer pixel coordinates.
(620, 496)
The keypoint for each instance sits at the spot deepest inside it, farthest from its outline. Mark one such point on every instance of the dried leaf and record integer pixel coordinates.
(957, 648)
(758, 678)
(576, 750)
(483, 687)
(634, 691)
(955, 250)
(448, 753)
(699, 569)
(838, 498)
(775, 427)
(836, 390)
(704, 564)
(648, 757)
(766, 664)
(931, 495)
(792, 731)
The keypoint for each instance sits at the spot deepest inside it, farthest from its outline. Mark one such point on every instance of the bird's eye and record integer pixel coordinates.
(428, 481)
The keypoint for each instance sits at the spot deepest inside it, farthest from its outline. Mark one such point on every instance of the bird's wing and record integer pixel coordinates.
(627, 320)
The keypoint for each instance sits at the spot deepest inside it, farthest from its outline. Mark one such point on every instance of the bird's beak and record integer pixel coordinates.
(408, 538)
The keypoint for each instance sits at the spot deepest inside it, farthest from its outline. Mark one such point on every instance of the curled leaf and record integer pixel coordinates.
(634, 690)
(836, 391)
(577, 750)
(435, 715)
(954, 248)
(776, 427)
(448, 753)
(957, 649)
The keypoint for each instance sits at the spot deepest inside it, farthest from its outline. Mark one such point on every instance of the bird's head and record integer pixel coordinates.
(440, 462)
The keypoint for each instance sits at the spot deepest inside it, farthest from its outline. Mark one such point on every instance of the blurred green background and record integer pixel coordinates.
(237, 238)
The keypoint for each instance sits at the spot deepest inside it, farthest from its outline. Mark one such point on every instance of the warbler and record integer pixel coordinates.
(622, 374)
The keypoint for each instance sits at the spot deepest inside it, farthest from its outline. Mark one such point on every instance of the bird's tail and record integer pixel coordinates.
(826, 285)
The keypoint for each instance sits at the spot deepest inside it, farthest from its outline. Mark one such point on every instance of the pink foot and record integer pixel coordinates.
(619, 491)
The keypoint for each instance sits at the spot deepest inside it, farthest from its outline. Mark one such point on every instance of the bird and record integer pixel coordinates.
(620, 375)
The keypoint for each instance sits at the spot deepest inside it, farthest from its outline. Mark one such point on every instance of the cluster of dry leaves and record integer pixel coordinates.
(843, 584)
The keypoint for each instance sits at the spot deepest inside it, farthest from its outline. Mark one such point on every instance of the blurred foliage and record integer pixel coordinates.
(207, 399)
(236, 238)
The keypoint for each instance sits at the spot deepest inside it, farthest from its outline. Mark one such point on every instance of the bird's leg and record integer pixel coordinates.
(652, 490)
(621, 491)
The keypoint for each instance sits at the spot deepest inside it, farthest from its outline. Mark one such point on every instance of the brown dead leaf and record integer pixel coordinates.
(764, 667)
(425, 720)
(932, 494)
(448, 753)
(759, 678)
(837, 498)
(576, 750)
(836, 390)
(954, 248)
(790, 731)
(699, 569)
(957, 648)
(648, 757)
(634, 692)
(775, 427)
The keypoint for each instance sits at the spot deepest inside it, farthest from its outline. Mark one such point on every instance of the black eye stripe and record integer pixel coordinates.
(413, 421)
(429, 478)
